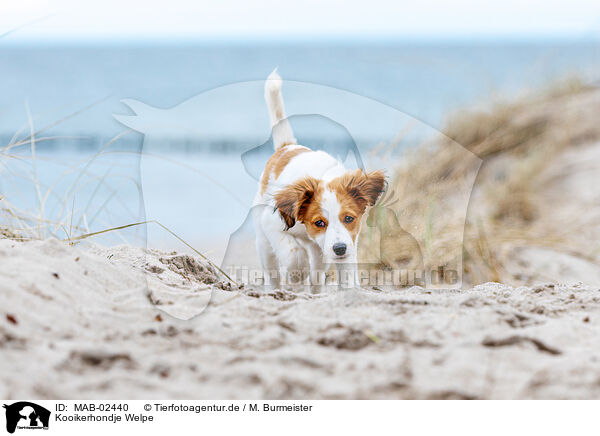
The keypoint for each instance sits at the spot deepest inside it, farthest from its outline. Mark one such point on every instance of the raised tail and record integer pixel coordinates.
(282, 131)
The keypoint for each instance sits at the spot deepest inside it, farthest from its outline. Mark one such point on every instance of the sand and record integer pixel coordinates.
(92, 322)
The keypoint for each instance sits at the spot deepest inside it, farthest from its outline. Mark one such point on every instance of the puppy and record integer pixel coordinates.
(308, 209)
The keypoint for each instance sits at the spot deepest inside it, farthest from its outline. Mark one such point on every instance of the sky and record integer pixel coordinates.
(305, 19)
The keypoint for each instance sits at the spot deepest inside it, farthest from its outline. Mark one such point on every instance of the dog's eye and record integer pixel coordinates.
(348, 219)
(320, 223)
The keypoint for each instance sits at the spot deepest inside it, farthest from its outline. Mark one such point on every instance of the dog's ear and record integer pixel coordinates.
(374, 186)
(364, 188)
(293, 200)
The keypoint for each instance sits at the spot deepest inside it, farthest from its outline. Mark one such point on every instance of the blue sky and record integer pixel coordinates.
(314, 19)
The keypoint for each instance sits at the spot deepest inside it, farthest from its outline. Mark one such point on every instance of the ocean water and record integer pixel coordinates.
(425, 80)
(72, 93)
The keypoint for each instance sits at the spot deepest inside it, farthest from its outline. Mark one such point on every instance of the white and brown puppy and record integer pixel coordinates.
(308, 208)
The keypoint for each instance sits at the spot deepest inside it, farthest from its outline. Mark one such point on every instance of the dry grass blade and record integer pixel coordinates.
(29, 23)
(60, 121)
(82, 237)
(35, 175)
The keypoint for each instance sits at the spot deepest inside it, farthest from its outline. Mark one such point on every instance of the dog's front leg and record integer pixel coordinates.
(268, 261)
(293, 261)
(318, 268)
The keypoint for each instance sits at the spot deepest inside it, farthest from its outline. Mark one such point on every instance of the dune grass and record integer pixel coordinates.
(516, 142)
(19, 162)
(67, 222)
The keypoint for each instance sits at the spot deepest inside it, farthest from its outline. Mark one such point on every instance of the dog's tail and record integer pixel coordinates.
(282, 131)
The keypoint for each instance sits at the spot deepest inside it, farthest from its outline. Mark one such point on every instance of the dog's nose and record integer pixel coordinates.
(339, 248)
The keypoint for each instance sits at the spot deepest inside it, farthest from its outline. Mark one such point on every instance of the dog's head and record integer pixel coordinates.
(331, 211)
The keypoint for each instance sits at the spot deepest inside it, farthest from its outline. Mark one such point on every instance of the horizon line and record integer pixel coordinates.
(471, 38)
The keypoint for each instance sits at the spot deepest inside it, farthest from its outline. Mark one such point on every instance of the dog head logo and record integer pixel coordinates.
(26, 415)
(351, 127)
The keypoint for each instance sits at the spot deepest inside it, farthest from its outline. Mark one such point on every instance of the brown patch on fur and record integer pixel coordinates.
(356, 190)
(364, 188)
(298, 201)
(277, 163)
(349, 207)
(311, 214)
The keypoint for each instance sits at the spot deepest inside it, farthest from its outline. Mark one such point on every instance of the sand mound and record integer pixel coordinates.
(95, 323)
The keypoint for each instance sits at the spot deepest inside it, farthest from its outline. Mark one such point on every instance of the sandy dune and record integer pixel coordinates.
(95, 323)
